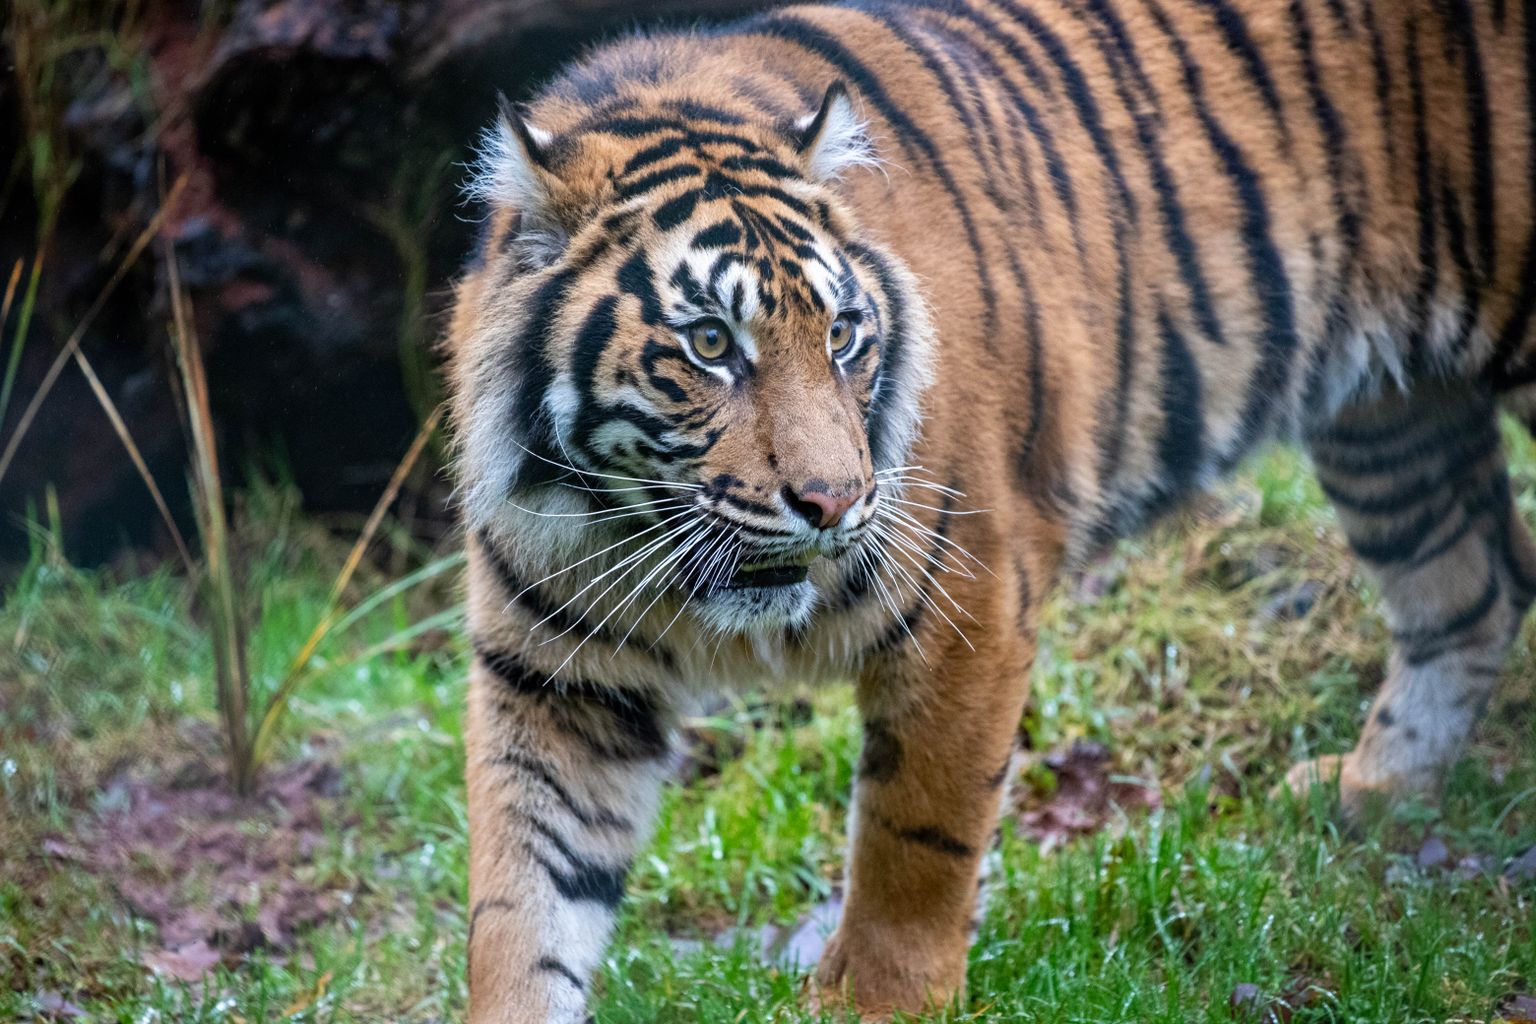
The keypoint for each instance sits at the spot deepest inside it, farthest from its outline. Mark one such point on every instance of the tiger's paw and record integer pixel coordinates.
(1362, 796)
(878, 980)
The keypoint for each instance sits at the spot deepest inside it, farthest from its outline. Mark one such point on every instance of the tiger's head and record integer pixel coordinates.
(679, 342)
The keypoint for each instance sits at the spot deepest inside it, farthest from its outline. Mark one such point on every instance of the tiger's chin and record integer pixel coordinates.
(755, 609)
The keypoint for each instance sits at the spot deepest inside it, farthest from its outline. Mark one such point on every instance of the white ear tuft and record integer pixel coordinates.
(508, 170)
(833, 139)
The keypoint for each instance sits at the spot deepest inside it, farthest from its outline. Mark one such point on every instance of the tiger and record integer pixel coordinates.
(819, 346)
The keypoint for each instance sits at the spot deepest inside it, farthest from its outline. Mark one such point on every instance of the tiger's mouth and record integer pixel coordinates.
(777, 572)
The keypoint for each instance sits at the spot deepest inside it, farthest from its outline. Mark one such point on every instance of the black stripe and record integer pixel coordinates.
(1382, 80)
(929, 836)
(560, 619)
(1403, 542)
(481, 906)
(592, 339)
(534, 373)
(970, 100)
(649, 182)
(552, 965)
(676, 210)
(914, 41)
(1122, 60)
(1341, 16)
(1461, 20)
(1000, 776)
(1079, 93)
(1041, 463)
(624, 725)
(717, 236)
(1454, 443)
(1125, 358)
(900, 631)
(1407, 495)
(1516, 328)
(1335, 142)
(805, 34)
(590, 817)
(1181, 445)
(893, 354)
(1271, 284)
(1430, 642)
(586, 882)
(1036, 126)
(696, 111)
(654, 153)
(1428, 245)
(638, 127)
(1238, 40)
(881, 757)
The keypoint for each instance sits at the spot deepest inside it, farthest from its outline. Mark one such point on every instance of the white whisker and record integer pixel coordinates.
(606, 476)
(598, 554)
(609, 514)
(627, 564)
(606, 618)
(678, 559)
(941, 511)
(927, 531)
(926, 598)
(872, 558)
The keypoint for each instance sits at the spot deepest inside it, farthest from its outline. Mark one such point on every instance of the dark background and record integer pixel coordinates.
(320, 226)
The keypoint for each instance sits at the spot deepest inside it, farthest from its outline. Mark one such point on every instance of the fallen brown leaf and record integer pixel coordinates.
(186, 963)
(310, 998)
(1085, 797)
(1250, 1003)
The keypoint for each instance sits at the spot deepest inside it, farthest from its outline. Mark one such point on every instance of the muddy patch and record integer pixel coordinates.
(216, 874)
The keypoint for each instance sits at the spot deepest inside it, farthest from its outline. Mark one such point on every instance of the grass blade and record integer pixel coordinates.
(136, 457)
(23, 328)
(73, 342)
(295, 673)
(224, 600)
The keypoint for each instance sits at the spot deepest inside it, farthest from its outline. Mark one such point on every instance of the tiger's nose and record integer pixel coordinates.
(817, 505)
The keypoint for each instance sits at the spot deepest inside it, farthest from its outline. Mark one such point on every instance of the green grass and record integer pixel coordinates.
(1167, 653)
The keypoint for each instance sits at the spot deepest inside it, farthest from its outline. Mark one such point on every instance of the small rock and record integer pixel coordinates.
(1517, 1008)
(52, 1004)
(1432, 854)
(1473, 865)
(687, 947)
(1246, 1001)
(1293, 602)
(802, 947)
(1522, 867)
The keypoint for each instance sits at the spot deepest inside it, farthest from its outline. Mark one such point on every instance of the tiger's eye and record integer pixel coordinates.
(842, 332)
(709, 339)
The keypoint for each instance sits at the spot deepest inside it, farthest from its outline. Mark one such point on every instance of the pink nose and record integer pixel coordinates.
(818, 507)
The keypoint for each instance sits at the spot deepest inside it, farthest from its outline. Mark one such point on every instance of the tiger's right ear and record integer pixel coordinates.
(511, 167)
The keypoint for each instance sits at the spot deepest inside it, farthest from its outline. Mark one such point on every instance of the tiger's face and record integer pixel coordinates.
(684, 340)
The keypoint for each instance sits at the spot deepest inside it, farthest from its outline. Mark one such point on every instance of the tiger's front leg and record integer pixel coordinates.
(938, 739)
(563, 783)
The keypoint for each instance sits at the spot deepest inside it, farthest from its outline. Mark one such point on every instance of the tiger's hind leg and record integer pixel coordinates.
(1421, 490)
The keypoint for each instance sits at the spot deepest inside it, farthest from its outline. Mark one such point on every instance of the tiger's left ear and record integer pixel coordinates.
(833, 139)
